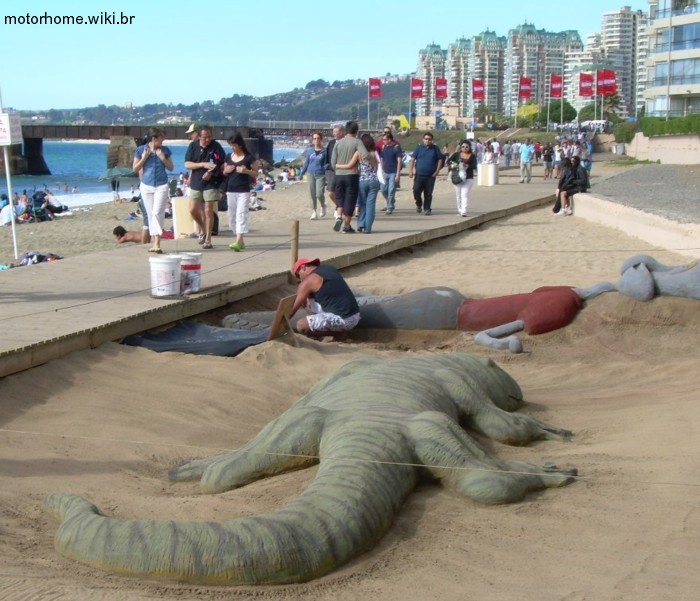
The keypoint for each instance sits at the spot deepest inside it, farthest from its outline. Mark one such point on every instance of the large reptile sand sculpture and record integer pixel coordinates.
(375, 427)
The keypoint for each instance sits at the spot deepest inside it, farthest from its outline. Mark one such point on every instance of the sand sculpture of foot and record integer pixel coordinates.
(375, 427)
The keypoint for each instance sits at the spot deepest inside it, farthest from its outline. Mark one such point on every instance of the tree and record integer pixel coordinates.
(611, 104)
(317, 84)
(587, 113)
(555, 113)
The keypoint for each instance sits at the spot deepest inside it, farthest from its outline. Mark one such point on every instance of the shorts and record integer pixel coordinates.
(330, 322)
(330, 180)
(205, 195)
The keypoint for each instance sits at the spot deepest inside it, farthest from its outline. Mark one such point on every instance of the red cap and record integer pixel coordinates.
(301, 262)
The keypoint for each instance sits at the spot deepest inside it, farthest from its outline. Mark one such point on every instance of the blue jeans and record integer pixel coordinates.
(367, 202)
(389, 191)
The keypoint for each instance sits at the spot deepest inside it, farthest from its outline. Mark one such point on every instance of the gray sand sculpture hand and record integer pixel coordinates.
(375, 427)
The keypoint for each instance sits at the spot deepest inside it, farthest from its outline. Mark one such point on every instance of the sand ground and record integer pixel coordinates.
(108, 423)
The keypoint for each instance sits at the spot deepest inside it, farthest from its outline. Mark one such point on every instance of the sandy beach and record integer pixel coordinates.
(108, 423)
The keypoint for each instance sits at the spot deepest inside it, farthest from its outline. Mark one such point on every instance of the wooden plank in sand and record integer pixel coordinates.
(280, 323)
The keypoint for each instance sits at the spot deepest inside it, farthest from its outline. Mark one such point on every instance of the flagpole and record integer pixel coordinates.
(549, 102)
(368, 87)
(10, 195)
(561, 104)
(595, 97)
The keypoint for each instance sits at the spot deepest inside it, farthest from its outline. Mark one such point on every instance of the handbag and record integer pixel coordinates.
(456, 178)
(557, 204)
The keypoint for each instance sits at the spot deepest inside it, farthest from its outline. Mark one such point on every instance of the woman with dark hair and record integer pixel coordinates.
(152, 161)
(566, 188)
(315, 160)
(462, 165)
(240, 170)
(369, 187)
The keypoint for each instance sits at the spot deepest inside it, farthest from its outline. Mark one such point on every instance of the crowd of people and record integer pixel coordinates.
(39, 206)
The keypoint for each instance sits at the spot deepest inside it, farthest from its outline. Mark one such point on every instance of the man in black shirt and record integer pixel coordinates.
(204, 158)
(332, 306)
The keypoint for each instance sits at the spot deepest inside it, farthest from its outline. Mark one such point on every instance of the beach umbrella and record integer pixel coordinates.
(116, 173)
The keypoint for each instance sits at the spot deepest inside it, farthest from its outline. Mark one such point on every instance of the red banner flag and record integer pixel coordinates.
(525, 87)
(416, 87)
(607, 82)
(556, 85)
(585, 84)
(440, 87)
(375, 87)
(600, 83)
(478, 92)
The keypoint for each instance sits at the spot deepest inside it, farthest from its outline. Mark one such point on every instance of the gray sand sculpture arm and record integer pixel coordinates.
(375, 427)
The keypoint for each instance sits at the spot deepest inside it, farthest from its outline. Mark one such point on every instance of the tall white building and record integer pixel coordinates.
(621, 38)
(586, 61)
(487, 63)
(535, 54)
(431, 64)
(673, 62)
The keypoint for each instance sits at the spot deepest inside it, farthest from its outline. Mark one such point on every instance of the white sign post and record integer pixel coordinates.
(10, 133)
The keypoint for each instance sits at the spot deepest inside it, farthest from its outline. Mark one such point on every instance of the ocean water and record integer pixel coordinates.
(78, 165)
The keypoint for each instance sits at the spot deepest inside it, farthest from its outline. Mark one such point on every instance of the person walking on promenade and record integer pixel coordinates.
(240, 171)
(332, 307)
(347, 180)
(391, 156)
(426, 163)
(369, 187)
(338, 133)
(462, 164)
(507, 153)
(314, 168)
(204, 158)
(547, 158)
(527, 152)
(152, 161)
(566, 188)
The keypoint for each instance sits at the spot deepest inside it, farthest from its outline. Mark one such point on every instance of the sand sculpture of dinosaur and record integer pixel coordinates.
(375, 427)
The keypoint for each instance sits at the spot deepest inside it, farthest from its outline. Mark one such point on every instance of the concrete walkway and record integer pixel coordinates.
(52, 309)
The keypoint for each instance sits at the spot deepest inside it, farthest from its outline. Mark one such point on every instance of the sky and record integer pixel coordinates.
(186, 52)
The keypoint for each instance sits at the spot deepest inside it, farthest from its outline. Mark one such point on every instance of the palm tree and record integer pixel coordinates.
(611, 104)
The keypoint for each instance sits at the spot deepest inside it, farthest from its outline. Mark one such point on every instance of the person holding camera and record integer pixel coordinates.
(462, 165)
(152, 161)
(205, 159)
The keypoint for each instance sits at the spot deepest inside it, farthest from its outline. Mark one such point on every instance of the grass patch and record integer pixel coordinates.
(630, 162)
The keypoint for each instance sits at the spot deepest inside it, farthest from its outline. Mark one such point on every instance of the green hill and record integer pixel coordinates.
(317, 101)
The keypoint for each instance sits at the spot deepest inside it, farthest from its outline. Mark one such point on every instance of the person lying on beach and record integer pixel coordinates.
(121, 235)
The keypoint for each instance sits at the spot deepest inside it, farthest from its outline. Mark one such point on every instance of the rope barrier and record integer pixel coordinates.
(248, 257)
(345, 460)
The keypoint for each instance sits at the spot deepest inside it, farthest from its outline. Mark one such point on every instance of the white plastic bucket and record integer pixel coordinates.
(191, 272)
(165, 275)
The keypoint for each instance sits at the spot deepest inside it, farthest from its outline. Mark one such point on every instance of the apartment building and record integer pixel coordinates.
(431, 64)
(535, 54)
(673, 61)
(623, 41)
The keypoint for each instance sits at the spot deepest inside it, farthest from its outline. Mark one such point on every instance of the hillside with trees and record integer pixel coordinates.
(319, 100)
